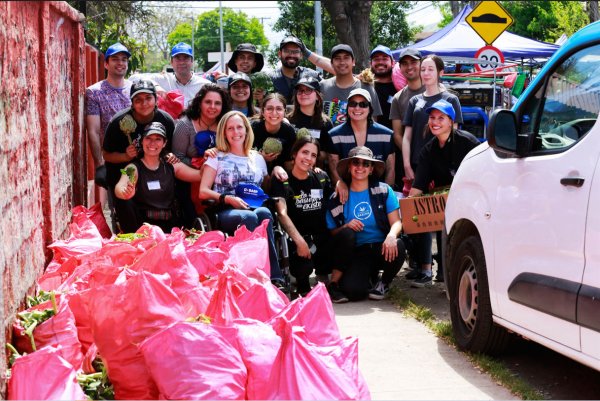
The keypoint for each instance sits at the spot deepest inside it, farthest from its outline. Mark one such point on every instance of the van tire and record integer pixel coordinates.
(470, 308)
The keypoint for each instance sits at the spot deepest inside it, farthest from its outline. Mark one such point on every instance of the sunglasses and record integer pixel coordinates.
(359, 162)
(363, 105)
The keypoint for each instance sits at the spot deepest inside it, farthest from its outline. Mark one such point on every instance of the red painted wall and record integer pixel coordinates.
(43, 155)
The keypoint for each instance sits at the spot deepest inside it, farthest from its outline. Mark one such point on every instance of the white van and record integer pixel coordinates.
(522, 238)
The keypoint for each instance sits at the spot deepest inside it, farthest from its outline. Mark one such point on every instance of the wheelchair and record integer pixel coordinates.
(208, 220)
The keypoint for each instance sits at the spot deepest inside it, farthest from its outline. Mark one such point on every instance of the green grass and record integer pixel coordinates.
(443, 329)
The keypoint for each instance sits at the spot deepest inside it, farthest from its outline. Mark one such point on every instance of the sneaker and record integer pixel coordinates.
(413, 274)
(279, 283)
(336, 295)
(422, 281)
(379, 291)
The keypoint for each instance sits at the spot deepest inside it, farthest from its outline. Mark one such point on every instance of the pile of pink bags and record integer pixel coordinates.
(133, 303)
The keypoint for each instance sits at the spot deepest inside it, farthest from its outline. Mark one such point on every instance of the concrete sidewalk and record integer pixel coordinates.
(402, 360)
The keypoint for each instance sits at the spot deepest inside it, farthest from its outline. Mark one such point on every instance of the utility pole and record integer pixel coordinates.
(221, 34)
(318, 32)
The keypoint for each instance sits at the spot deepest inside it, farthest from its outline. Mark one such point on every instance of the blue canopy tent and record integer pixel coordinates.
(458, 39)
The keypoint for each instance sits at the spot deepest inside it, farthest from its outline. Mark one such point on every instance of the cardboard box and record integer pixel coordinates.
(422, 214)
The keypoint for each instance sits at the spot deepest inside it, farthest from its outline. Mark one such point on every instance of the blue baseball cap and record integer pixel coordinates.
(443, 106)
(382, 49)
(116, 48)
(251, 193)
(181, 48)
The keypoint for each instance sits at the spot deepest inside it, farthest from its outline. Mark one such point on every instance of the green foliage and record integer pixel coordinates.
(546, 20)
(446, 12)
(392, 32)
(237, 28)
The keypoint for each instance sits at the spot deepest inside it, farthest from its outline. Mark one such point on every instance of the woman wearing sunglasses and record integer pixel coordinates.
(360, 130)
(365, 231)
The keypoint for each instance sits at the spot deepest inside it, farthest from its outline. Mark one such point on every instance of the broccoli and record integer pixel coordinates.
(272, 145)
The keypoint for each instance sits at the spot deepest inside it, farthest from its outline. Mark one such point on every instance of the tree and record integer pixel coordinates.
(237, 28)
(393, 32)
(592, 9)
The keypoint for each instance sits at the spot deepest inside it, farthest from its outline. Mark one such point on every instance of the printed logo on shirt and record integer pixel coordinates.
(307, 202)
(362, 211)
(336, 110)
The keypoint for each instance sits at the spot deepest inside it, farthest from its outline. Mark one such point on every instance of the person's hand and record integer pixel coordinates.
(280, 173)
(269, 157)
(305, 52)
(317, 170)
(408, 172)
(355, 225)
(235, 202)
(389, 248)
(128, 191)
(341, 190)
(302, 249)
(131, 152)
(172, 159)
(212, 153)
(259, 95)
(161, 92)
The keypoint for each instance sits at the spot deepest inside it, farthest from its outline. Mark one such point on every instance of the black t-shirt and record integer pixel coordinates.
(320, 132)
(115, 140)
(306, 201)
(155, 189)
(440, 164)
(385, 94)
(286, 135)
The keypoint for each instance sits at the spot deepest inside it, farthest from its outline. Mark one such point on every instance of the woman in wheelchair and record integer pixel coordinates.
(236, 163)
(301, 206)
(149, 181)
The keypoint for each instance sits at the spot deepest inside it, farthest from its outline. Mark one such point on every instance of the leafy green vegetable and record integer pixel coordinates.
(129, 237)
(260, 80)
(130, 173)
(272, 145)
(303, 132)
(97, 385)
(31, 319)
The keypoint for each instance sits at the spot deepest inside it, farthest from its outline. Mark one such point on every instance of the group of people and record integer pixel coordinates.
(345, 144)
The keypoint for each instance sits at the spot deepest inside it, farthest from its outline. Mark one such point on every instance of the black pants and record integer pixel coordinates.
(301, 268)
(360, 265)
(130, 217)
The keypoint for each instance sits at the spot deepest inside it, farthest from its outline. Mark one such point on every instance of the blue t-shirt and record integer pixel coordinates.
(359, 207)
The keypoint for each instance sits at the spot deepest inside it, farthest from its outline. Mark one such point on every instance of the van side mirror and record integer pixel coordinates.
(502, 131)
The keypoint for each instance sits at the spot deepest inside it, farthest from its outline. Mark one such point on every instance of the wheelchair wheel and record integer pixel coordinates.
(203, 223)
(281, 245)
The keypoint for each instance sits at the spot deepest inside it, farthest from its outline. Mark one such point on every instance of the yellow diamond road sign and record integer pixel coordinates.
(489, 19)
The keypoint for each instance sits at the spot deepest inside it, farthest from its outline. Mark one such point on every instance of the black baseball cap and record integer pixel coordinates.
(290, 39)
(239, 76)
(341, 48)
(309, 82)
(155, 128)
(414, 53)
(142, 86)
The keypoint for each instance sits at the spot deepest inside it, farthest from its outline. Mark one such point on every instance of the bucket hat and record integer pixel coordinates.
(249, 48)
(359, 152)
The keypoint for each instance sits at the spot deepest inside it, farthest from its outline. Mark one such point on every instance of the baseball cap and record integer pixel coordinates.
(239, 76)
(250, 48)
(443, 106)
(414, 53)
(309, 82)
(381, 49)
(142, 86)
(341, 48)
(290, 39)
(116, 48)
(181, 48)
(155, 128)
(362, 92)
(251, 193)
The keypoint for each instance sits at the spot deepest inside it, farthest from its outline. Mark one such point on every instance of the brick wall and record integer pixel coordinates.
(42, 171)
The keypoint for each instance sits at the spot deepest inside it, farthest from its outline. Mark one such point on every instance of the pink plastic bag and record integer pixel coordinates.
(173, 103)
(60, 329)
(223, 308)
(244, 243)
(84, 239)
(262, 302)
(192, 361)
(124, 315)
(95, 215)
(44, 375)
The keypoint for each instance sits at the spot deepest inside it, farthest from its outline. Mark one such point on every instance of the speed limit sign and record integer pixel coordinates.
(488, 53)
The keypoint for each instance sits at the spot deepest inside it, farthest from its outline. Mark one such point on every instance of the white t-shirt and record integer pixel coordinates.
(232, 169)
(169, 82)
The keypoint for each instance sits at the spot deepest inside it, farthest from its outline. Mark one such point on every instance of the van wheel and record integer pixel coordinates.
(470, 308)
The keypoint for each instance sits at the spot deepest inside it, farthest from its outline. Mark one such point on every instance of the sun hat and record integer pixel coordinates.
(251, 193)
(359, 152)
(182, 48)
(239, 76)
(155, 128)
(414, 53)
(309, 82)
(142, 86)
(443, 106)
(249, 48)
(341, 48)
(362, 92)
(116, 48)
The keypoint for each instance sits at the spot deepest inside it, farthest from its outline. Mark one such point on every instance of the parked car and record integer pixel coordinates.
(522, 223)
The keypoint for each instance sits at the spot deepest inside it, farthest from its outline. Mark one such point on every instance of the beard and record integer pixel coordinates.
(382, 74)
(290, 63)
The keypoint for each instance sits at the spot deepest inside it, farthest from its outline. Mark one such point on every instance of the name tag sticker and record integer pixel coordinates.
(315, 133)
(421, 103)
(316, 193)
(153, 185)
(390, 98)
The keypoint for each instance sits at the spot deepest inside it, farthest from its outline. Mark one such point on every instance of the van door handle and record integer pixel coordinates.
(572, 181)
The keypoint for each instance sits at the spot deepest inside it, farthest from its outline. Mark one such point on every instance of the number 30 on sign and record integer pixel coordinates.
(488, 53)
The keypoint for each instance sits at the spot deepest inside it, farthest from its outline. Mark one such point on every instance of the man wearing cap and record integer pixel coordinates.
(291, 51)
(410, 67)
(336, 89)
(246, 59)
(183, 77)
(107, 97)
(122, 140)
(382, 63)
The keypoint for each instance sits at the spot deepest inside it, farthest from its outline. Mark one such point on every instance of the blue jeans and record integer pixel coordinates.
(231, 219)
